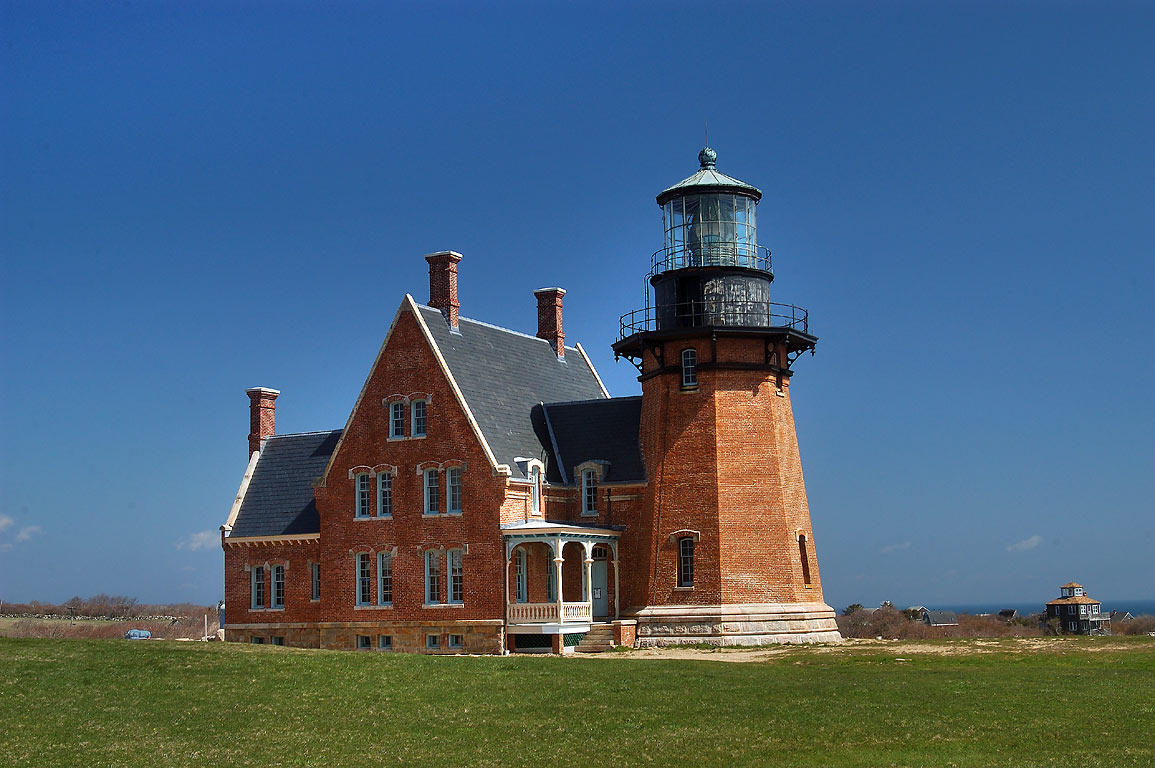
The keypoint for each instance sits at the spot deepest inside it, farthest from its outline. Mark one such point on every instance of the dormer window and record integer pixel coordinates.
(1078, 591)
(589, 492)
(535, 491)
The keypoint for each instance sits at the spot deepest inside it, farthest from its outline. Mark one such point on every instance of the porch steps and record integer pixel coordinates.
(599, 638)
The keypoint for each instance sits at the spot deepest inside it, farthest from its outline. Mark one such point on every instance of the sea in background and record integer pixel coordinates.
(1135, 607)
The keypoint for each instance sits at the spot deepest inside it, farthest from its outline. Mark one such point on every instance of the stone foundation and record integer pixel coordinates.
(744, 624)
(480, 637)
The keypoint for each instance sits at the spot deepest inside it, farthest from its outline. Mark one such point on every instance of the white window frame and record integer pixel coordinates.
(418, 423)
(689, 368)
(433, 577)
(315, 574)
(363, 578)
(364, 495)
(535, 490)
(432, 483)
(453, 490)
(277, 582)
(396, 420)
(384, 494)
(258, 598)
(686, 574)
(385, 578)
(455, 577)
(520, 583)
(590, 492)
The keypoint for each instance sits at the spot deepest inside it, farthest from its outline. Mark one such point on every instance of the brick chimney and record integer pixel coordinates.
(262, 415)
(443, 284)
(549, 318)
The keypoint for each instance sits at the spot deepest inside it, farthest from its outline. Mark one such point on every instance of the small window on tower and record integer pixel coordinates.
(689, 368)
(686, 562)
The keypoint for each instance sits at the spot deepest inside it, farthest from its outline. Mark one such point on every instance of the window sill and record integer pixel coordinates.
(372, 517)
(455, 513)
(683, 589)
(370, 607)
(315, 600)
(688, 390)
(443, 605)
(589, 514)
(431, 514)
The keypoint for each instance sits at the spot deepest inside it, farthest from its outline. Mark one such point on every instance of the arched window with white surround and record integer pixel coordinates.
(432, 577)
(589, 491)
(535, 490)
(384, 494)
(456, 577)
(689, 368)
(364, 494)
(686, 561)
(385, 578)
(432, 491)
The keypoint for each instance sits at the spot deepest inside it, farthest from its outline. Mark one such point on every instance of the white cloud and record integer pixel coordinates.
(1025, 544)
(202, 540)
(895, 547)
(27, 532)
(10, 535)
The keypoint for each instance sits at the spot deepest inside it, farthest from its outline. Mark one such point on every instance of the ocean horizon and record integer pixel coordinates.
(1134, 607)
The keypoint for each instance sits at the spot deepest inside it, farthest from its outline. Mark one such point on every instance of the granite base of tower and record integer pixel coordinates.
(736, 625)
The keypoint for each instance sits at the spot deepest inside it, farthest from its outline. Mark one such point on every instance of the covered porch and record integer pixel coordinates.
(557, 578)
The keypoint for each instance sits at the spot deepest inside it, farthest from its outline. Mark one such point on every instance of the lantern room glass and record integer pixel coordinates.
(714, 229)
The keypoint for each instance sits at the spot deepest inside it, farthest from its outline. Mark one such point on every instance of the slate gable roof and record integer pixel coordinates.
(940, 618)
(603, 429)
(503, 375)
(279, 500)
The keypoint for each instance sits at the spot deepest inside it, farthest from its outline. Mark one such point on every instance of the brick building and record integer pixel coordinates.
(487, 494)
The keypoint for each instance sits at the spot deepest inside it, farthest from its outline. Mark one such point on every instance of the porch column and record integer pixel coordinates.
(617, 591)
(508, 558)
(557, 563)
(589, 596)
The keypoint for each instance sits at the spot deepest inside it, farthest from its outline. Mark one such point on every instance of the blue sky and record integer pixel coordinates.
(196, 198)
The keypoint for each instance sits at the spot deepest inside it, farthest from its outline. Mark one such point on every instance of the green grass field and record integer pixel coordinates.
(1085, 702)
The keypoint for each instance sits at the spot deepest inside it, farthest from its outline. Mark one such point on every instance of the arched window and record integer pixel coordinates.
(520, 590)
(805, 559)
(364, 580)
(453, 485)
(385, 578)
(589, 492)
(456, 576)
(535, 490)
(364, 494)
(417, 416)
(689, 368)
(432, 577)
(432, 492)
(686, 562)
(384, 495)
(396, 420)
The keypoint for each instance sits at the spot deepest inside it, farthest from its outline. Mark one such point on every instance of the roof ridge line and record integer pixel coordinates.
(491, 325)
(592, 400)
(301, 434)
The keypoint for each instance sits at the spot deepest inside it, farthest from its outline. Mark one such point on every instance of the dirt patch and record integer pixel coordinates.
(898, 648)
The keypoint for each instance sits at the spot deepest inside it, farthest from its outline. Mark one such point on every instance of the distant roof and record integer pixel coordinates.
(279, 500)
(708, 179)
(603, 429)
(1071, 584)
(940, 618)
(503, 374)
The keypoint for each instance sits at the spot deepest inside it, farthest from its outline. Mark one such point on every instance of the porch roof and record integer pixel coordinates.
(551, 529)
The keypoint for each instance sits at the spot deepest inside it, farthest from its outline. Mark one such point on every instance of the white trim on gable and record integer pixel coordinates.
(240, 499)
(593, 370)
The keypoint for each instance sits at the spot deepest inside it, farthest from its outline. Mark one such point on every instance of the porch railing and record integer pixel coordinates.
(547, 613)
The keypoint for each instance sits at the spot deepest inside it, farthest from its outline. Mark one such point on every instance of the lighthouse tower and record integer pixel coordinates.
(723, 547)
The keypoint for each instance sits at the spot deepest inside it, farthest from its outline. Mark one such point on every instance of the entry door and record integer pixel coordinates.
(601, 597)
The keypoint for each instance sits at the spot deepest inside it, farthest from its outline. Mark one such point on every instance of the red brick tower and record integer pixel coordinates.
(724, 547)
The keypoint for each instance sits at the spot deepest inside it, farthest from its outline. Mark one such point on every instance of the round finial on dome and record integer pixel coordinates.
(707, 158)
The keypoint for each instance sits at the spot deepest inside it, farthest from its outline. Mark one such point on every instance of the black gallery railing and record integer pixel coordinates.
(718, 312)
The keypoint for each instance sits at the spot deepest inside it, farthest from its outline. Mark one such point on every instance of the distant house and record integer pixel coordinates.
(1008, 614)
(939, 618)
(1121, 616)
(1076, 613)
